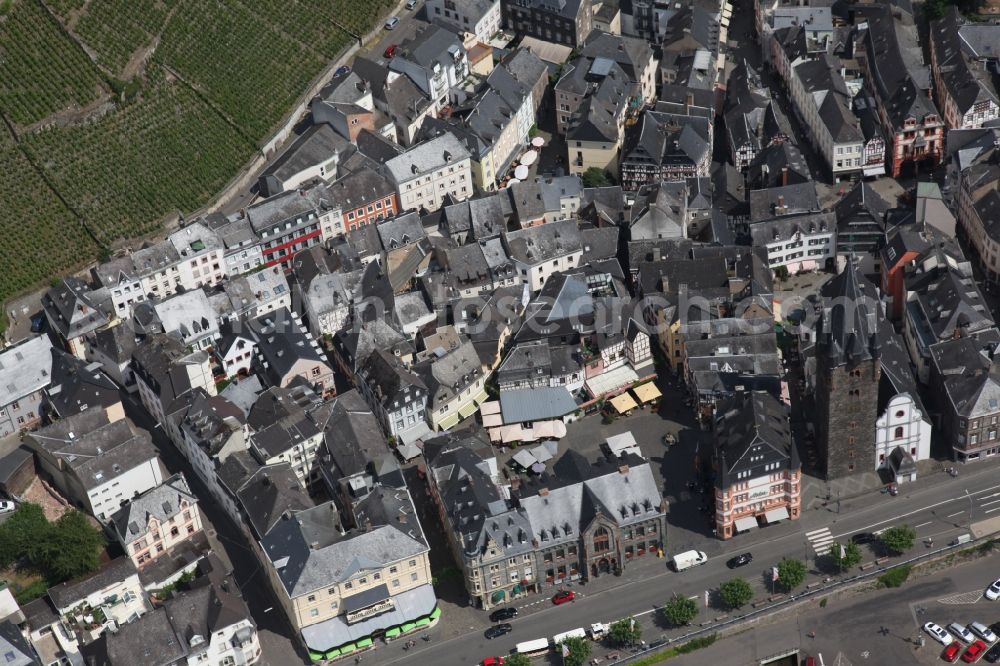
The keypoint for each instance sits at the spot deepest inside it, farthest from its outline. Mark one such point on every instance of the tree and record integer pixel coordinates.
(517, 660)
(72, 546)
(595, 177)
(791, 573)
(21, 535)
(736, 592)
(897, 539)
(625, 632)
(578, 651)
(851, 555)
(680, 610)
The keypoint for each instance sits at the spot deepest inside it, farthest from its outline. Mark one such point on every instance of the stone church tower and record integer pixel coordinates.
(848, 372)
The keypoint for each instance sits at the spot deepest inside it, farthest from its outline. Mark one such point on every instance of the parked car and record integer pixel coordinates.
(391, 23)
(342, 70)
(739, 560)
(390, 51)
(7, 506)
(493, 661)
(984, 632)
(974, 652)
(992, 655)
(938, 634)
(993, 591)
(498, 630)
(861, 538)
(501, 614)
(562, 596)
(410, 4)
(952, 652)
(961, 632)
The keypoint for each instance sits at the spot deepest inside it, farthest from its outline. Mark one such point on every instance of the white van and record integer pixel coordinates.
(688, 559)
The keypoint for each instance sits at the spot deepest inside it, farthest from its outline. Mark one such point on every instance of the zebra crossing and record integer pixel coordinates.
(820, 540)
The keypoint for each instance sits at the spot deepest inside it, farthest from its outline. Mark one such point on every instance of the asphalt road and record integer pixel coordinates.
(937, 508)
(874, 627)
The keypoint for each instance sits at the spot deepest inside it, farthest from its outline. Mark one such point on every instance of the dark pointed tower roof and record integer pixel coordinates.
(851, 314)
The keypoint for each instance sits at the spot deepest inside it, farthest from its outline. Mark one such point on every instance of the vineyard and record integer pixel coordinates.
(41, 237)
(162, 146)
(115, 32)
(166, 152)
(41, 71)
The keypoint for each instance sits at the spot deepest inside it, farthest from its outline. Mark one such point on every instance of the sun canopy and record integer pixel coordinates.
(647, 392)
(623, 403)
(744, 524)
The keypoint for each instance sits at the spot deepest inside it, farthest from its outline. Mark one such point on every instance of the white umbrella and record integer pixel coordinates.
(538, 142)
(511, 182)
(529, 158)
(521, 172)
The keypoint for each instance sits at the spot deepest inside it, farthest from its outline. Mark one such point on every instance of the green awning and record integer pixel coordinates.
(449, 421)
(364, 643)
(481, 397)
(409, 626)
(517, 589)
(468, 410)
(436, 614)
(423, 622)
(346, 649)
(499, 595)
(316, 656)
(391, 633)
(332, 653)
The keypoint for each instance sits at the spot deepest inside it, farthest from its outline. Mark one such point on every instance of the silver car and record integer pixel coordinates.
(984, 632)
(961, 632)
(391, 23)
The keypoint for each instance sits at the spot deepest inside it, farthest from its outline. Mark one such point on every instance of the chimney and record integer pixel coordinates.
(784, 176)
(781, 204)
(543, 492)
(623, 469)
(688, 102)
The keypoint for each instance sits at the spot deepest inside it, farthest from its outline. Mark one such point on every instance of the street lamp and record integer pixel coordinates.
(970, 508)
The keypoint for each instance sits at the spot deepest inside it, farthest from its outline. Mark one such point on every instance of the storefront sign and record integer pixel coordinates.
(383, 606)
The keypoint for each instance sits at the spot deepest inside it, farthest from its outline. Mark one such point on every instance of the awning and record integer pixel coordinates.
(336, 632)
(449, 421)
(332, 653)
(365, 643)
(744, 524)
(492, 420)
(647, 392)
(774, 515)
(541, 453)
(524, 458)
(481, 399)
(409, 451)
(436, 614)
(391, 633)
(809, 265)
(623, 403)
(794, 267)
(490, 407)
(423, 622)
(468, 410)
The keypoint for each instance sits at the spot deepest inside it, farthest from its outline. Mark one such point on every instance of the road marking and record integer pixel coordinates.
(925, 508)
(997, 501)
(820, 540)
(957, 513)
(916, 527)
(996, 508)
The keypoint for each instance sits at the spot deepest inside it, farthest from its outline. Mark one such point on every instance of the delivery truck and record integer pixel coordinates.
(688, 559)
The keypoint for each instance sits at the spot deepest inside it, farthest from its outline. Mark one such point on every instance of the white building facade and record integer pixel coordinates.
(903, 424)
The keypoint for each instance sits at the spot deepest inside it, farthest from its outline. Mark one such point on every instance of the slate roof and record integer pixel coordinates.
(576, 491)
(544, 242)
(796, 199)
(599, 243)
(205, 610)
(14, 647)
(65, 595)
(25, 369)
(427, 157)
(752, 431)
(958, 49)
(851, 314)
(785, 228)
(94, 448)
(659, 211)
(449, 372)
(632, 54)
(969, 376)
(354, 439)
(779, 161)
(73, 308)
(163, 502)
(666, 139)
(944, 302)
(267, 495)
(388, 379)
(282, 341)
(310, 552)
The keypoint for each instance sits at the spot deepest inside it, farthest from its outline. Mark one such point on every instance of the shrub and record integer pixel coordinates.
(896, 540)
(895, 576)
(679, 610)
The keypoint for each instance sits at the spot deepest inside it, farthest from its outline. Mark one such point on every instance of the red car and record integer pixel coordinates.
(390, 51)
(493, 661)
(563, 596)
(974, 652)
(951, 652)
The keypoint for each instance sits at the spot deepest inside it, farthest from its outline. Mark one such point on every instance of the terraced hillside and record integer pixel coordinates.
(130, 111)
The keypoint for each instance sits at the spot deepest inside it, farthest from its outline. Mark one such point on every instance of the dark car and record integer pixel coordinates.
(993, 654)
(739, 560)
(343, 69)
(861, 538)
(563, 596)
(498, 630)
(502, 614)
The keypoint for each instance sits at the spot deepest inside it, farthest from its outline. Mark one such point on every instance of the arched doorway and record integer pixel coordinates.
(604, 565)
